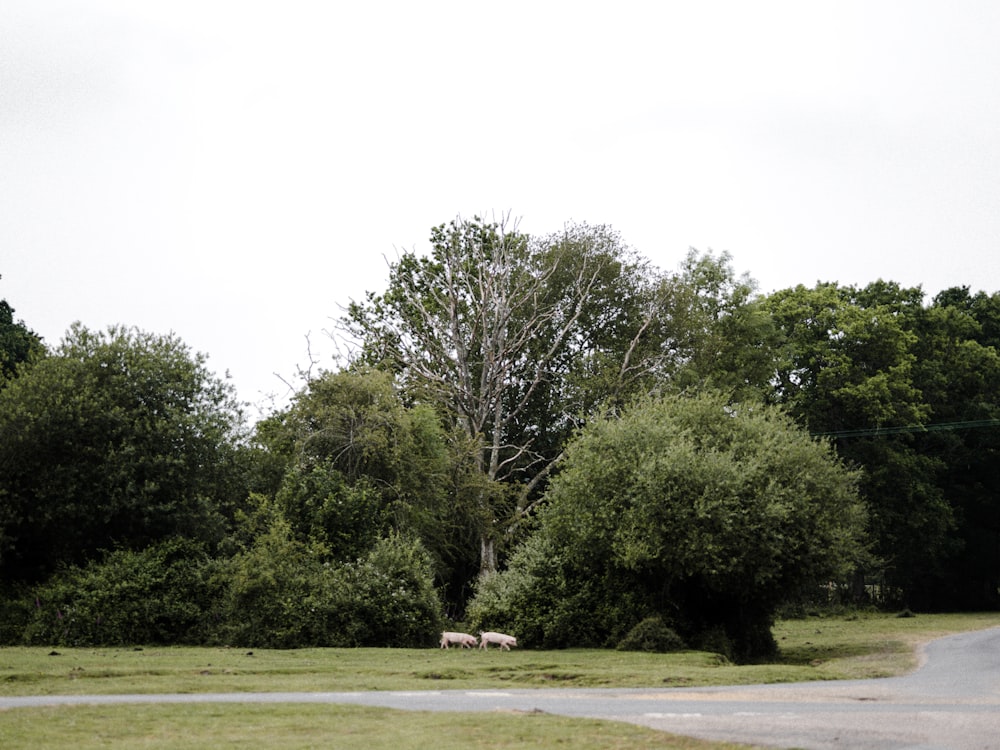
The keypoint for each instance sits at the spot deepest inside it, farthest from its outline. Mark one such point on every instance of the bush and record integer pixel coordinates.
(279, 593)
(534, 600)
(387, 598)
(517, 600)
(322, 507)
(652, 635)
(691, 505)
(270, 591)
(161, 595)
(283, 594)
(16, 611)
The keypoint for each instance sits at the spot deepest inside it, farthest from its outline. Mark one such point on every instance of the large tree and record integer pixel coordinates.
(507, 335)
(705, 512)
(720, 331)
(958, 368)
(349, 461)
(847, 360)
(521, 339)
(908, 392)
(118, 438)
(18, 343)
(847, 369)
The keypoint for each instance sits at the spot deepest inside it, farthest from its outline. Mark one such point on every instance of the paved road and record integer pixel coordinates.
(952, 702)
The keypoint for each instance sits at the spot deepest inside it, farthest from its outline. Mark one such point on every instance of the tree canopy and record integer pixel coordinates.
(18, 343)
(600, 450)
(908, 392)
(349, 461)
(517, 340)
(692, 507)
(118, 438)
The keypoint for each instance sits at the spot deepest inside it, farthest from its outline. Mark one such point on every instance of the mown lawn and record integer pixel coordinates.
(297, 726)
(812, 649)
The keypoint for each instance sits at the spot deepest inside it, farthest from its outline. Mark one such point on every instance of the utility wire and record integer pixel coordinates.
(939, 427)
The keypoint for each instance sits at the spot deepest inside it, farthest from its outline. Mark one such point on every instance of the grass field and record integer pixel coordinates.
(812, 649)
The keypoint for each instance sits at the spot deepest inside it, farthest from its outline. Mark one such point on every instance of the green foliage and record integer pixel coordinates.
(279, 593)
(692, 485)
(349, 445)
(512, 338)
(18, 343)
(270, 590)
(391, 597)
(847, 358)
(165, 594)
(721, 333)
(116, 439)
(519, 599)
(909, 393)
(716, 640)
(548, 602)
(323, 508)
(350, 462)
(476, 366)
(689, 506)
(353, 421)
(959, 372)
(283, 594)
(652, 635)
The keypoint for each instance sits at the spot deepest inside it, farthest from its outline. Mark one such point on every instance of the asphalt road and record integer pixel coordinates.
(952, 702)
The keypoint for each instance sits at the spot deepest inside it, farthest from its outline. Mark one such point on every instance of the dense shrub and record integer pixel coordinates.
(17, 608)
(534, 600)
(118, 438)
(163, 594)
(387, 598)
(652, 635)
(279, 593)
(283, 593)
(716, 641)
(517, 600)
(270, 593)
(322, 507)
(701, 510)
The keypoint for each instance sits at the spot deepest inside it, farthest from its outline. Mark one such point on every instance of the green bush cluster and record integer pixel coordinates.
(687, 507)
(283, 593)
(652, 635)
(541, 598)
(158, 595)
(278, 594)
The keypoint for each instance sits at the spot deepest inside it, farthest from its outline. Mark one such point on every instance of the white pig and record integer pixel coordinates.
(502, 640)
(463, 639)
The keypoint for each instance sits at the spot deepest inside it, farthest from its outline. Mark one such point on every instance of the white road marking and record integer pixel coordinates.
(671, 716)
(414, 693)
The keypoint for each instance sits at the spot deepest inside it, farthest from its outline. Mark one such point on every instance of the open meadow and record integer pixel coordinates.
(812, 649)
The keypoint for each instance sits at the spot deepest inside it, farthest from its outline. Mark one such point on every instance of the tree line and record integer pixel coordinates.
(541, 433)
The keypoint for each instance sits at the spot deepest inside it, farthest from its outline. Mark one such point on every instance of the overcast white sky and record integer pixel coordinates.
(234, 172)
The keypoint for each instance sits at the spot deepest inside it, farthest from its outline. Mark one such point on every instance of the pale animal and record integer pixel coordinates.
(461, 639)
(503, 640)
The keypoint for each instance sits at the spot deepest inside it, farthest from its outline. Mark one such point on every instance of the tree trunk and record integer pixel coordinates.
(487, 557)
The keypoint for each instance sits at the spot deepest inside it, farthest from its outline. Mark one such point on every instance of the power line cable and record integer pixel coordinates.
(971, 424)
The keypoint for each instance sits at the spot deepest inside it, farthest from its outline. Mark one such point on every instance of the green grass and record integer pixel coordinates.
(868, 646)
(812, 649)
(284, 727)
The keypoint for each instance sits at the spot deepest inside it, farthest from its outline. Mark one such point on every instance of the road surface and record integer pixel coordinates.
(952, 702)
